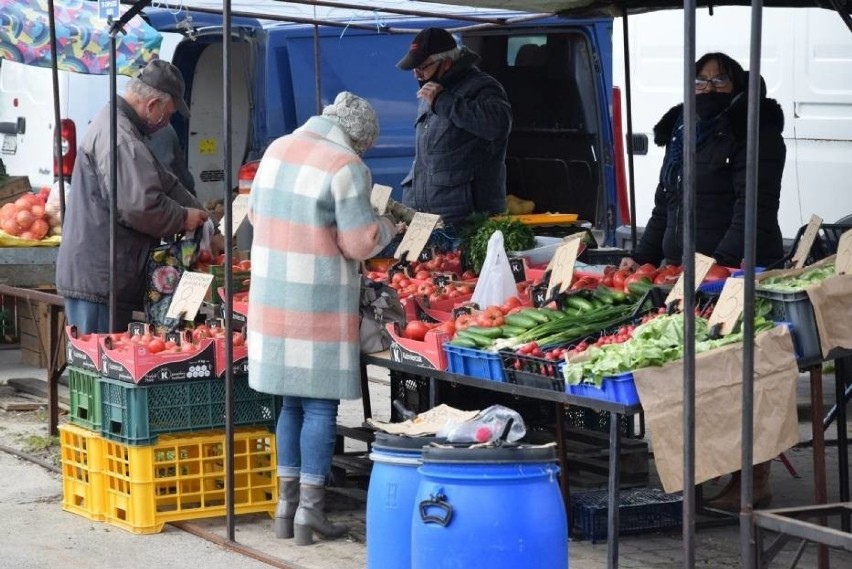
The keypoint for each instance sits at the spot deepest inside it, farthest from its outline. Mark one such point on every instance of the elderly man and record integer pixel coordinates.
(463, 129)
(152, 204)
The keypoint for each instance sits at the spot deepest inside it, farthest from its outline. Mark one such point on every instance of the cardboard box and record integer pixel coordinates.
(82, 351)
(135, 364)
(239, 360)
(427, 354)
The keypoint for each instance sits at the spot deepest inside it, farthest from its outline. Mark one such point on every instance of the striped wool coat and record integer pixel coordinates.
(313, 222)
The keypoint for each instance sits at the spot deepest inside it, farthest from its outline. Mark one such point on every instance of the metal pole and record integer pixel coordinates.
(628, 107)
(229, 338)
(747, 537)
(689, 121)
(57, 117)
(317, 80)
(113, 178)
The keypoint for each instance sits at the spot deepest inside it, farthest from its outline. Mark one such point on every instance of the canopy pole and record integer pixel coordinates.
(747, 532)
(317, 63)
(57, 117)
(113, 178)
(689, 130)
(628, 105)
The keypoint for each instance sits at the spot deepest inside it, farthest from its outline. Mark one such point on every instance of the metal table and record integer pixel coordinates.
(615, 410)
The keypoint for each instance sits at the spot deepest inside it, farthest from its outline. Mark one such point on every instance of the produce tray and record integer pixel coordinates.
(139, 414)
(84, 391)
(639, 510)
(796, 308)
(474, 363)
(532, 371)
(182, 477)
(619, 388)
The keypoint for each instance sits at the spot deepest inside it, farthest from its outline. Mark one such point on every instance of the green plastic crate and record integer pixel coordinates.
(137, 414)
(85, 395)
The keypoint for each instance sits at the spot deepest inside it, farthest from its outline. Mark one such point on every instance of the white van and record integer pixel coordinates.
(26, 92)
(807, 64)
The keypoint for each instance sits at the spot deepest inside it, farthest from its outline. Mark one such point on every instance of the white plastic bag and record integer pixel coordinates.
(496, 282)
(486, 427)
(52, 209)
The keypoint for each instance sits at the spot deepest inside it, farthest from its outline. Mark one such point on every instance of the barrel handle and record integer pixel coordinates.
(438, 501)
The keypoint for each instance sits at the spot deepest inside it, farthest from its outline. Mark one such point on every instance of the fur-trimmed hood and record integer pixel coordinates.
(771, 115)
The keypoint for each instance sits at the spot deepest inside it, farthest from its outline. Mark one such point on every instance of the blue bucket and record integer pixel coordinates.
(489, 507)
(390, 499)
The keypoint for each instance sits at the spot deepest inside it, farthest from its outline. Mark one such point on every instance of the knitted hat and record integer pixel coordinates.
(357, 119)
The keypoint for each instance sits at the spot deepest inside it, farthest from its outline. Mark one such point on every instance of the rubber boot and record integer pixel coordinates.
(729, 500)
(310, 517)
(285, 511)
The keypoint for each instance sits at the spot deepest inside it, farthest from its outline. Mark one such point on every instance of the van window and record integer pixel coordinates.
(526, 50)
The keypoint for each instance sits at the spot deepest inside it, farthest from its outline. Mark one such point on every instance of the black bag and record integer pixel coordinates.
(379, 305)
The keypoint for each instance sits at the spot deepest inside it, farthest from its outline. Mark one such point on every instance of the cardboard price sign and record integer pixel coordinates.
(189, 295)
(729, 307)
(562, 265)
(807, 241)
(379, 198)
(417, 235)
(843, 263)
(702, 266)
(239, 212)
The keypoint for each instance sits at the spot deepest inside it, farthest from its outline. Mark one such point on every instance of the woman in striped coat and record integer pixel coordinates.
(310, 208)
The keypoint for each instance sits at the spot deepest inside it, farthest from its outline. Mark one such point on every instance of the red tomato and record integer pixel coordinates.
(717, 272)
(464, 321)
(449, 327)
(511, 302)
(245, 265)
(619, 277)
(423, 275)
(415, 330)
(156, 345)
(635, 278)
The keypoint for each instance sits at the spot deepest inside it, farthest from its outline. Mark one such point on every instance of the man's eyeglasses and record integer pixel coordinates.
(423, 68)
(718, 82)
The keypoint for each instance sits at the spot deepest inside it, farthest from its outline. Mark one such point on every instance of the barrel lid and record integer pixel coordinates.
(389, 441)
(503, 454)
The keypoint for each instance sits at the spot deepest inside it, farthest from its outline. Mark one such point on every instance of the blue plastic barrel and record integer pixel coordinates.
(489, 508)
(390, 499)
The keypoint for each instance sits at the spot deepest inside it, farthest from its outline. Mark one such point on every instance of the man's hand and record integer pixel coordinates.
(195, 218)
(429, 92)
(629, 264)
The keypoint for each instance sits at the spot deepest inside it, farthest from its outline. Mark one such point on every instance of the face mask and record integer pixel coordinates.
(153, 126)
(708, 105)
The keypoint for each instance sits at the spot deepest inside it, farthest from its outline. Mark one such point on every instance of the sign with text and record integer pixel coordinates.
(729, 307)
(188, 295)
(843, 263)
(108, 9)
(417, 235)
(379, 198)
(562, 266)
(806, 242)
(239, 212)
(702, 266)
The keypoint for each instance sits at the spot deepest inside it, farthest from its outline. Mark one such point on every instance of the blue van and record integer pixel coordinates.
(557, 73)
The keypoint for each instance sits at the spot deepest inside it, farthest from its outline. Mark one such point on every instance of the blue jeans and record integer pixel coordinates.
(305, 435)
(88, 317)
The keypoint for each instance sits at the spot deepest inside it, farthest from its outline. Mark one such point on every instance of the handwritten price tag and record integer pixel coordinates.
(562, 265)
(189, 295)
(806, 242)
(702, 267)
(417, 235)
(239, 212)
(379, 198)
(843, 263)
(729, 307)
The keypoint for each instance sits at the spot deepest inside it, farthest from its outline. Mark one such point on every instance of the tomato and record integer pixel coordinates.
(717, 272)
(220, 259)
(511, 302)
(156, 345)
(239, 339)
(449, 327)
(204, 256)
(398, 277)
(635, 278)
(619, 277)
(425, 289)
(245, 265)
(468, 275)
(464, 321)
(464, 289)
(437, 296)
(423, 275)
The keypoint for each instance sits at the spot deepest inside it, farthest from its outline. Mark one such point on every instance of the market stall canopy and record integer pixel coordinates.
(617, 7)
(82, 37)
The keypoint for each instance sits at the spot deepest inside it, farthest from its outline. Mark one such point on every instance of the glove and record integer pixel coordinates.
(400, 213)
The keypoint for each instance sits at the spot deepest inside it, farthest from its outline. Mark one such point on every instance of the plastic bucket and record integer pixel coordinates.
(390, 499)
(491, 508)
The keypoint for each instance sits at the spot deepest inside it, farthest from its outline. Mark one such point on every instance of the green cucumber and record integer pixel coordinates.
(640, 288)
(487, 331)
(521, 320)
(480, 340)
(551, 313)
(536, 315)
(577, 303)
(510, 331)
(463, 342)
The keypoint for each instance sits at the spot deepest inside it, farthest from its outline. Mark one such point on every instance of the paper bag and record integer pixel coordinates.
(496, 282)
(832, 302)
(718, 408)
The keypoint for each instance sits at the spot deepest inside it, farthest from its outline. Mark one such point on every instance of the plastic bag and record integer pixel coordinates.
(496, 282)
(486, 427)
(205, 242)
(379, 304)
(165, 267)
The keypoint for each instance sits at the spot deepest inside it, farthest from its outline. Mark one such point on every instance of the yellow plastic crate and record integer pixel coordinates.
(182, 477)
(81, 451)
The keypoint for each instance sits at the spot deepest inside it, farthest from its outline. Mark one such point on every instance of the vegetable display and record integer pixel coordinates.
(516, 237)
(810, 277)
(25, 218)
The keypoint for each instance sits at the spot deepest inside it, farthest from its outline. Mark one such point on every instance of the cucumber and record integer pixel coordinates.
(535, 314)
(551, 313)
(510, 331)
(478, 339)
(640, 288)
(463, 342)
(487, 331)
(521, 320)
(576, 303)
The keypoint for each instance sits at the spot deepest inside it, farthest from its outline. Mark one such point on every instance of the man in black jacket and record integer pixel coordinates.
(720, 163)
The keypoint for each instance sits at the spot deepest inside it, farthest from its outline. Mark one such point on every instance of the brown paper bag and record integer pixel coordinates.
(832, 302)
(718, 408)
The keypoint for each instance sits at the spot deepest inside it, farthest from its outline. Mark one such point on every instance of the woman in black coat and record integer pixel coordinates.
(720, 166)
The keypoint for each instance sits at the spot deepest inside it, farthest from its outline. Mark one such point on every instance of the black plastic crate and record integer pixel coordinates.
(796, 309)
(824, 245)
(411, 390)
(532, 371)
(604, 256)
(640, 510)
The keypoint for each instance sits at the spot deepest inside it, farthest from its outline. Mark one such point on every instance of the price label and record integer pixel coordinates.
(843, 263)
(442, 279)
(189, 295)
(417, 235)
(729, 307)
(702, 267)
(464, 309)
(239, 212)
(539, 295)
(806, 242)
(562, 265)
(518, 269)
(379, 198)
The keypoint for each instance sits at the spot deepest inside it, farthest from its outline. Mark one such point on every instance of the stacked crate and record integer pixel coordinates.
(138, 456)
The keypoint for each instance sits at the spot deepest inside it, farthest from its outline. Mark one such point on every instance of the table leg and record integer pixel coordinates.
(842, 378)
(613, 491)
(820, 491)
(53, 371)
(559, 409)
(365, 393)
